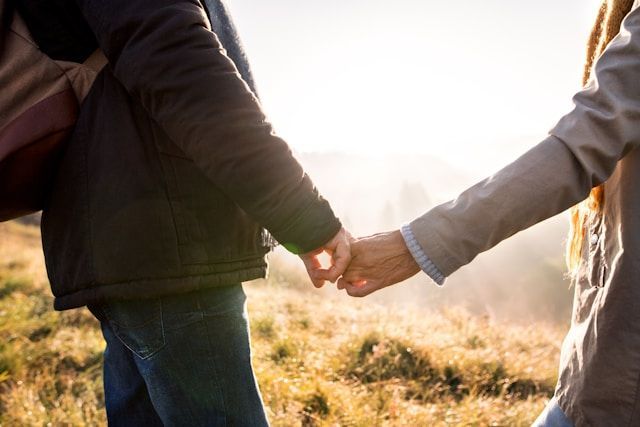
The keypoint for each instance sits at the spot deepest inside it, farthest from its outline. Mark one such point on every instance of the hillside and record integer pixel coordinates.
(321, 358)
(522, 279)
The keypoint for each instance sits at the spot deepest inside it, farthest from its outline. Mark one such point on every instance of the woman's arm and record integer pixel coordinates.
(581, 153)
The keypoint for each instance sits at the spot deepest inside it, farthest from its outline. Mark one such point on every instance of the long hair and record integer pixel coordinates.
(606, 27)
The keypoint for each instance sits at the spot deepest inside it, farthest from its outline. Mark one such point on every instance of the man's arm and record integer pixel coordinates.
(167, 57)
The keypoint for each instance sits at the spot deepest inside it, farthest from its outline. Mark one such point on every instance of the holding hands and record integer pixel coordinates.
(366, 264)
(339, 248)
(377, 261)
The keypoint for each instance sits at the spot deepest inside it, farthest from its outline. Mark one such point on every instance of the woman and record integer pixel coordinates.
(591, 152)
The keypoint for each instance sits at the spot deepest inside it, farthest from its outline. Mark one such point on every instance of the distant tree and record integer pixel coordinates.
(387, 216)
(413, 200)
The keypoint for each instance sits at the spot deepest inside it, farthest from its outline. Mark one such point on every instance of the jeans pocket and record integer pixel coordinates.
(137, 324)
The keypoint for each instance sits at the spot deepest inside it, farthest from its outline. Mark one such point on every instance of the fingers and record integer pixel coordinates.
(331, 274)
(340, 259)
(313, 266)
(344, 282)
(357, 279)
(361, 289)
(340, 250)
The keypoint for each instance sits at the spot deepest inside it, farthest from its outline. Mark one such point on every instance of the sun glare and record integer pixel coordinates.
(325, 260)
(474, 89)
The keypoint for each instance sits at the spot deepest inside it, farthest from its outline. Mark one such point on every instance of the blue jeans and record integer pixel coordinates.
(552, 416)
(182, 360)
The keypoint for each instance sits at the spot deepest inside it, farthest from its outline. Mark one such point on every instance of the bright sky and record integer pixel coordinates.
(472, 82)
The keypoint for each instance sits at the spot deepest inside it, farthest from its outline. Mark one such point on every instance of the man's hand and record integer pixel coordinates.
(339, 248)
(377, 261)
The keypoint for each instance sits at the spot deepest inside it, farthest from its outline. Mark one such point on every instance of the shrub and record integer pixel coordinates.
(316, 405)
(264, 326)
(380, 359)
(376, 360)
(283, 349)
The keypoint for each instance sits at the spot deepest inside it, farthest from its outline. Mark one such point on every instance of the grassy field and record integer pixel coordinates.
(320, 361)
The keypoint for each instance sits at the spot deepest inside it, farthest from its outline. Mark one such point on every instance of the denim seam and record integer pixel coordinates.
(146, 357)
(164, 337)
(175, 377)
(215, 365)
(115, 332)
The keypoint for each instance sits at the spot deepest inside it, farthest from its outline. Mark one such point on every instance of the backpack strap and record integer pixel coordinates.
(96, 61)
(81, 76)
(6, 14)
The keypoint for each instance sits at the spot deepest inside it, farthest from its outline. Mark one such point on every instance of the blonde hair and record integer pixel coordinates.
(607, 26)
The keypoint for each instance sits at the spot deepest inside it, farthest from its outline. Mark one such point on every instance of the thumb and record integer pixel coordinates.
(361, 289)
(341, 259)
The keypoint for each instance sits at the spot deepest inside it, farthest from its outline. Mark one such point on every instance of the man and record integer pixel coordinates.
(156, 215)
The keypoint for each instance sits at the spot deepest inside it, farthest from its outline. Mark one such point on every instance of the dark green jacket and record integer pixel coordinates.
(173, 172)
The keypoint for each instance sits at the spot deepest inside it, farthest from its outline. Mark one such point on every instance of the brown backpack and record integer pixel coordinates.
(39, 105)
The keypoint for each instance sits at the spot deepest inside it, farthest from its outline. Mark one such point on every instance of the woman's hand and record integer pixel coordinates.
(377, 261)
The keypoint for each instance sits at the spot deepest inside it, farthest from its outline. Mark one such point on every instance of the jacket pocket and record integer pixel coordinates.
(210, 226)
(596, 265)
(187, 230)
(591, 277)
(137, 324)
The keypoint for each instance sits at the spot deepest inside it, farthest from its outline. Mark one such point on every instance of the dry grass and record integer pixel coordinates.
(332, 362)
(320, 361)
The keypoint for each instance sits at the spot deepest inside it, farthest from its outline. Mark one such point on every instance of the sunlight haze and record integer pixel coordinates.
(396, 107)
(473, 83)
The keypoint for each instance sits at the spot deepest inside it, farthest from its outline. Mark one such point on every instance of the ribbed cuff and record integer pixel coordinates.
(421, 258)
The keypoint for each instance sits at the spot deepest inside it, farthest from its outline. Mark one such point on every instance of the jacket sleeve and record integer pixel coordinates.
(581, 153)
(167, 57)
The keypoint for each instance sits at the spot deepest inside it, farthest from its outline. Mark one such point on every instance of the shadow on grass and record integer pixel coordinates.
(377, 359)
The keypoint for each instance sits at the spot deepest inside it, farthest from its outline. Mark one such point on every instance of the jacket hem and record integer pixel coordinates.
(154, 288)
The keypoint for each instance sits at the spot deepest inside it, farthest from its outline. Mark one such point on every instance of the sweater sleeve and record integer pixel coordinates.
(423, 261)
(167, 57)
(581, 153)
